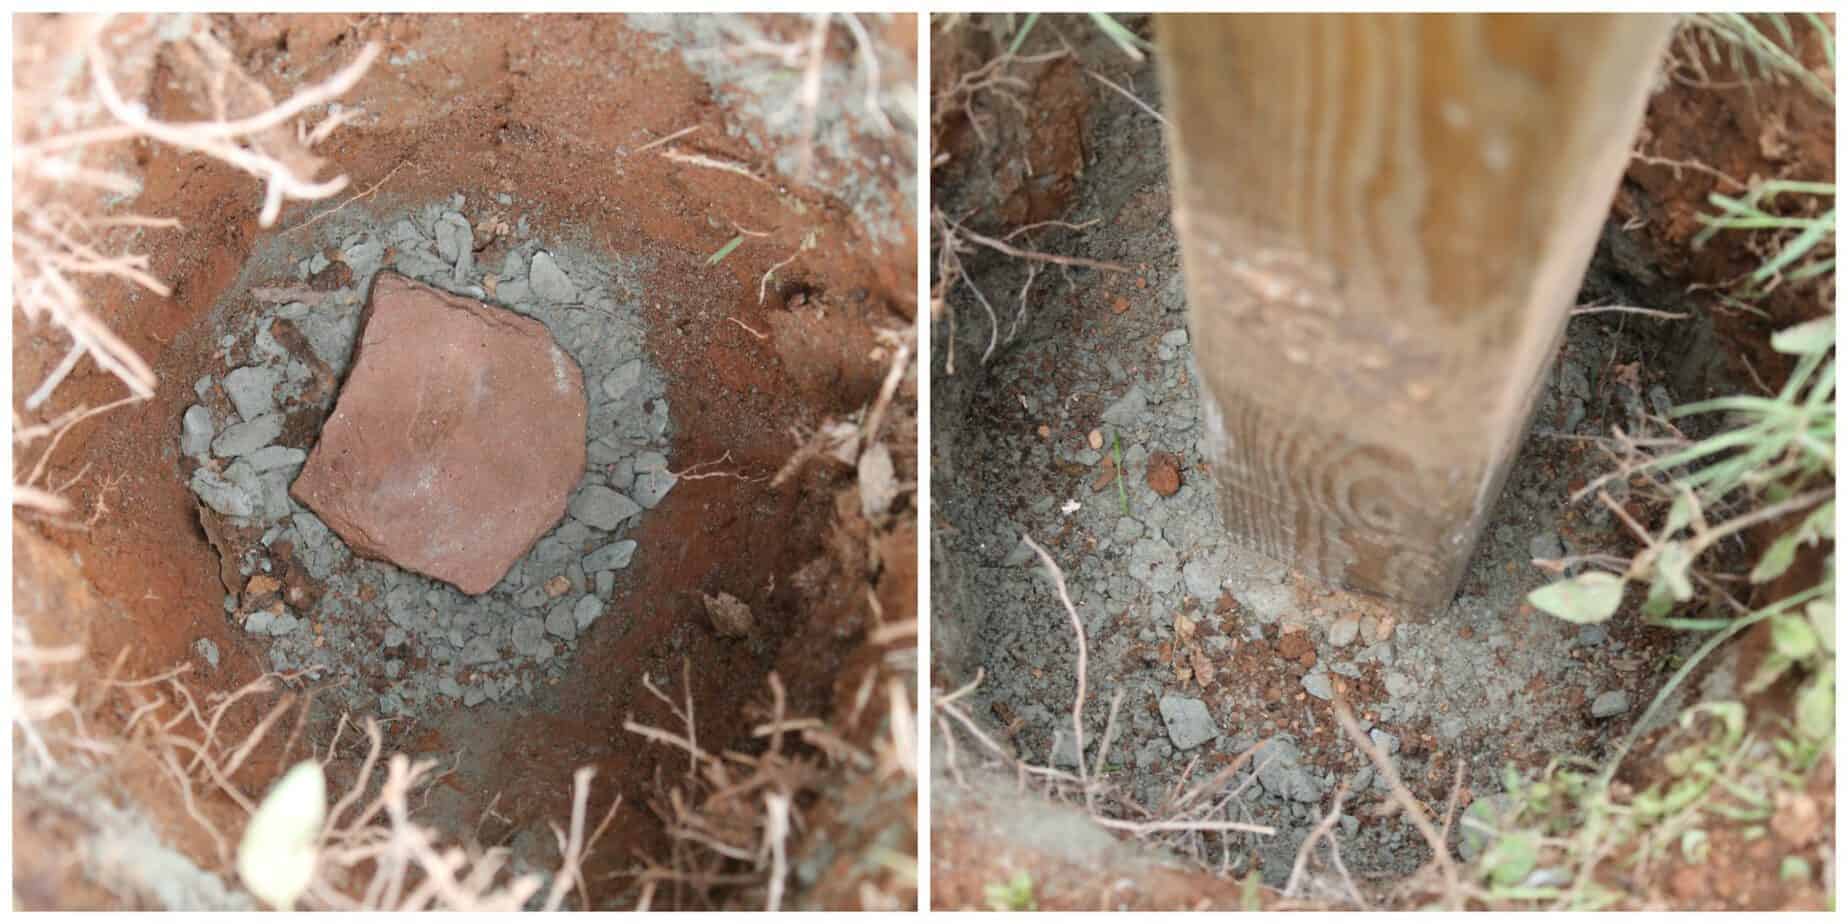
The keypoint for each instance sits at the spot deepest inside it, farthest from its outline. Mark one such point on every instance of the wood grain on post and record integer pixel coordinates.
(1384, 220)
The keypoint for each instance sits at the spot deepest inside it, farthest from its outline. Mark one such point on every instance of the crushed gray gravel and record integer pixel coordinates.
(1485, 681)
(414, 642)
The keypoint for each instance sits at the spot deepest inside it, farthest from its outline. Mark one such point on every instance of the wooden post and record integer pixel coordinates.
(1384, 220)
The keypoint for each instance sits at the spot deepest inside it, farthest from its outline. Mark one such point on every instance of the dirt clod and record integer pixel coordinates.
(730, 616)
(1164, 474)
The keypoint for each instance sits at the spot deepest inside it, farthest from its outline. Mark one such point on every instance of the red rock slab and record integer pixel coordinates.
(457, 438)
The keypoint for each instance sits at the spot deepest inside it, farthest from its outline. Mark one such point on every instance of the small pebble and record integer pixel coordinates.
(1613, 702)
(252, 391)
(196, 431)
(549, 282)
(600, 507)
(1344, 631)
(588, 609)
(611, 557)
(247, 437)
(561, 621)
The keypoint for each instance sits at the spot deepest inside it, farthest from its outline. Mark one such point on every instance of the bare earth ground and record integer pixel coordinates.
(1175, 611)
(548, 111)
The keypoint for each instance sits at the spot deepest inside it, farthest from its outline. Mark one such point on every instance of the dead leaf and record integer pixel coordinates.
(730, 616)
(1203, 668)
(1183, 627)
(1629, 374)
(878, 482)
(1106, 473)
(1097, 439)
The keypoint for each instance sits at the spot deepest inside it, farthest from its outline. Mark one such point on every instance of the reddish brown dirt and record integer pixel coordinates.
(508, 103)
(1748, 130)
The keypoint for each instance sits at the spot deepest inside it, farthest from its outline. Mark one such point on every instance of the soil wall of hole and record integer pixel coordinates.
(552, 110)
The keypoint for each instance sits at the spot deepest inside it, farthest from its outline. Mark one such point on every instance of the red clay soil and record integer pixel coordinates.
(1749, 130)
(492, 104)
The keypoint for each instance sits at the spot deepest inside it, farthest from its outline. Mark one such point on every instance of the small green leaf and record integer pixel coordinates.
(1511, 858)
(1694, 845)
(1648, 804)
(1589, 598)
(1680, 762)
(1816, 707)
(1014, 895)
(1772, 667)
(1672, 563)
(1821, 615)
(1659, 601)
(1681, 794)
(1777, 557)
(725, 251)
(1792, 637)
(1793, 869)
(1809, 337)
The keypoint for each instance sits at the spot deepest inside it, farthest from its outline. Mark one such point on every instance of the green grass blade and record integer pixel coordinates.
(1020, 37)
(1131, 43)
(1798, 246)
(725, 251)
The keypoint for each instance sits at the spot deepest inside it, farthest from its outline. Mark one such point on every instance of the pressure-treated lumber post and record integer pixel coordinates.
(1383, 223)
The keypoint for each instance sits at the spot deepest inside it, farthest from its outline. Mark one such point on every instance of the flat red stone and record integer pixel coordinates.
(457, 438)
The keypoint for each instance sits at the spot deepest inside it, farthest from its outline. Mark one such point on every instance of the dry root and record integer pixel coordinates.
(373, 854)
(732, 816)
(72, 167)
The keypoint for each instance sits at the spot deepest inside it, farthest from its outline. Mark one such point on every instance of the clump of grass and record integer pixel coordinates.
(735, 819)
(1807, 254)
(1771, 461)
(1758, 46)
